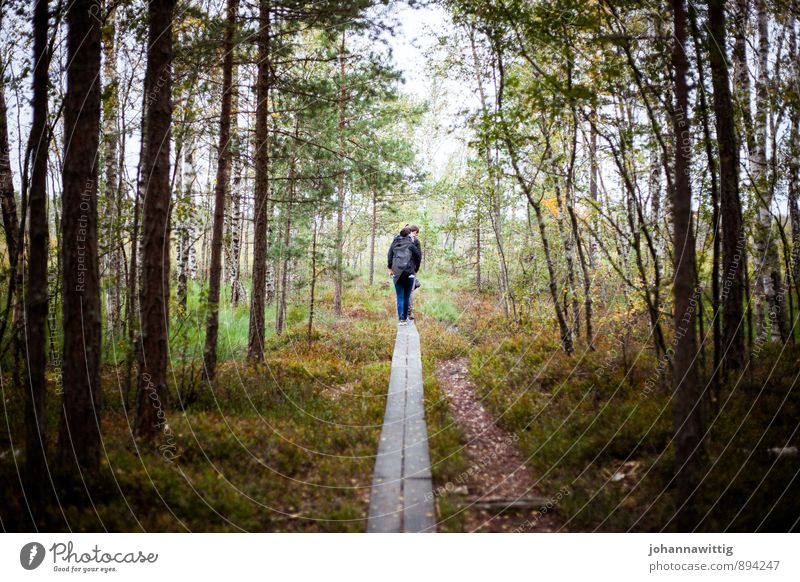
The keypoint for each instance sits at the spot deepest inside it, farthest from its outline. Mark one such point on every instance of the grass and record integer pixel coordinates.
(284, 446)
(587, 423)
(288, 445)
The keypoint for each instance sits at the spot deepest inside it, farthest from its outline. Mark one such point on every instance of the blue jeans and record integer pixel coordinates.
(403, 286)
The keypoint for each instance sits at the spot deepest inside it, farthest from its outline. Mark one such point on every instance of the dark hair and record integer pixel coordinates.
(412, 227)
(405, 232)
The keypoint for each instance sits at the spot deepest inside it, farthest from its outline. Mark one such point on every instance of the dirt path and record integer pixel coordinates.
(499, 496)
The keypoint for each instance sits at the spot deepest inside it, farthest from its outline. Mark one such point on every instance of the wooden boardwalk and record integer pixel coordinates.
(401, 499)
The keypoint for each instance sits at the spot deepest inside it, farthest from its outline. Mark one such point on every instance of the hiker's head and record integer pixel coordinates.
(405, 232)
(413, 228)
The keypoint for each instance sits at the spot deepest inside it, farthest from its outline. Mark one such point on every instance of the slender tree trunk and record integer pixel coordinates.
(478, 285)
(8, 204)
(339, 250)
(741, 73)
(733, 238)
(372, 235)
(280, 312)
(794, 156)
(768, 279)
(566, 332)
(237, 292)
(570, 293)
(151, 397)
(687, 405)
(582, 259)
(132, 312)
(255, 342)
(36, 291)
(312, 297)
(79, 436)
(711, 160)
(594, 170)
(221, 189)
(112, 208)
(185, 230)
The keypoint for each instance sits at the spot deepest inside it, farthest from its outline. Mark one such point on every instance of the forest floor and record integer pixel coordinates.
(522, 436)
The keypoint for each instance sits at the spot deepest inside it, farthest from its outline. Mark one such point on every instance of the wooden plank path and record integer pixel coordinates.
(401, 498)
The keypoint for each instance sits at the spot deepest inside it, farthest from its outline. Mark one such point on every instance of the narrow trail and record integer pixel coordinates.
(499, 494)
(401, 498)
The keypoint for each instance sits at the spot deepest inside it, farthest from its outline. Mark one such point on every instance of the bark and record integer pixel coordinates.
(593, 173)
(771, 318)
(312, 295)
(185, 230)
(255, 342)
(280, 312)
(112, 211)
(79, 435)
(221, 189)
(339, 250)
(570, 293)
(687, 411)
(711, 160)
(8, 205)
(794, 157)
(733, 239)
(741, 73)
(576, 234)
(566, 332)
(478, 286)
(134, 273)
(235, 278)
(654, 192)
(151, 396)
(36, 296)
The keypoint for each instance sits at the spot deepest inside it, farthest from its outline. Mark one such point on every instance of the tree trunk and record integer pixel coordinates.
(235, 278)
(741, 73)
(372, 235)
(478, 250)
(79, 436)
(687, 405)
(733, 238)
(582, 259)
(36, 469)
(570, 292)
(8, 204)
(339, 250)
(767, 276)
(151, 396)
(255, 341)
(312, 299)
(712, 170)
(594, 170)
(112, 211)
(220, 194)
(185, 228)
(280, 311)
(794, 156)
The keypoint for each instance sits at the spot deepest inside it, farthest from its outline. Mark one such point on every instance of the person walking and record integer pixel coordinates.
(403, 261)
(414, 234)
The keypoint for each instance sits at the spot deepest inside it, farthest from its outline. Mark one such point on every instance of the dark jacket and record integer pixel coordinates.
(416, 253)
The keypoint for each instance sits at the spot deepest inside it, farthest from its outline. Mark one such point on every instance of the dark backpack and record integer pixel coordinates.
(402, 261)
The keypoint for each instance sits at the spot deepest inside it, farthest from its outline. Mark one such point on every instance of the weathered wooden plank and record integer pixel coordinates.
(385, 506)
(418, 510)
(401, 498)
